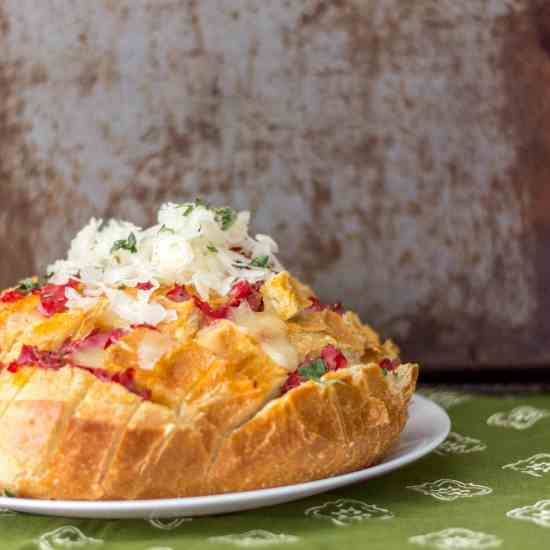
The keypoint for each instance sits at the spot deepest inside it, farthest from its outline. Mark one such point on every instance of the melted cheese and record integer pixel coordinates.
(93, 357)
(151, 348)
(270, 332)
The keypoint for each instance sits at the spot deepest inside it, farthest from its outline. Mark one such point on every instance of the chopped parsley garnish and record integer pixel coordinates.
(165, 229)
(188, 209)
(128, 244)
(212, 248)
(225, 217)
(313, 371)
(28, 285)
(260, 261)
(190, 206)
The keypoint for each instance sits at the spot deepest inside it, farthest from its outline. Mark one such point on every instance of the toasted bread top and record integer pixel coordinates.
(195, 349)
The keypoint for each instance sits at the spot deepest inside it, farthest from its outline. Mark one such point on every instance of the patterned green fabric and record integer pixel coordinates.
(487, 486)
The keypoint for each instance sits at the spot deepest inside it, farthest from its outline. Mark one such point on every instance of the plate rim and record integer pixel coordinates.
(308, 488)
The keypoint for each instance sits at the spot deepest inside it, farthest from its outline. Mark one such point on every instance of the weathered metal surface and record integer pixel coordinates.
(397, 149)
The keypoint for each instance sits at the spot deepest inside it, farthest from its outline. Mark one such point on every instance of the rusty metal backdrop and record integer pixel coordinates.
(399, 150)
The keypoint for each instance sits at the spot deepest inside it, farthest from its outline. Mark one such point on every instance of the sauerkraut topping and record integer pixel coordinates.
(192, 244)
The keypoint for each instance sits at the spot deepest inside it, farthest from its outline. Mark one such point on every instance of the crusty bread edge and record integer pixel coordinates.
(316, 430)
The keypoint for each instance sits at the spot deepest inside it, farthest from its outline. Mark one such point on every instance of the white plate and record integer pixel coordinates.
(428, 426)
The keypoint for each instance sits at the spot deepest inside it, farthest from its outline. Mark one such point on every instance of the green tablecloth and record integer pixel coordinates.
(487, 486)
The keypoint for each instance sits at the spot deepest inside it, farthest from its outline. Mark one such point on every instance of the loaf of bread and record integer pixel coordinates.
(183, 360)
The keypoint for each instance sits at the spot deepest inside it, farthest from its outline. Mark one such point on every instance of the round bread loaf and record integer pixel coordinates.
(167, 388)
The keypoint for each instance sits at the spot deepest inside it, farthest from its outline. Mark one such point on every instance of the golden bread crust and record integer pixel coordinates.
(315, 431)
(92, 440)
(219, 413)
